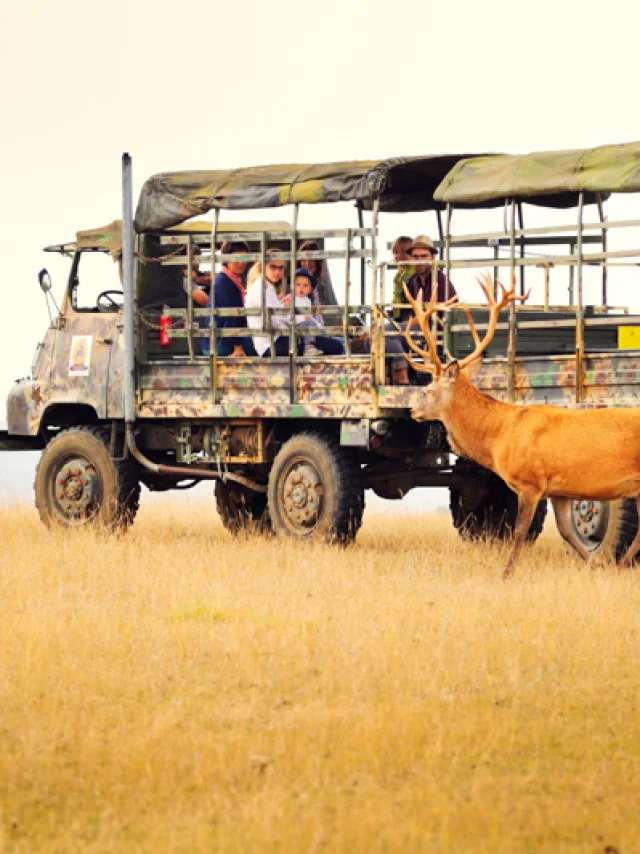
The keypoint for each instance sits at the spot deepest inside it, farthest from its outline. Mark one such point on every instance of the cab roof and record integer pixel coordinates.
(108, 238)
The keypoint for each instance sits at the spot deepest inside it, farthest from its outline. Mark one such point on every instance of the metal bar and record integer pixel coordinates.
(213, 338)
(447, 326)
(604, 247)
(539, 260)
(522, 246)
(447, 251)
(440, 227)
(376, 339)
(266, 319)
(293, 343)
(190, 297)
(546, 287)
(128, 291)
(363, 246)
(347, 286)
(513, 333)
(549, 229)
(200, 237)
(580, 309)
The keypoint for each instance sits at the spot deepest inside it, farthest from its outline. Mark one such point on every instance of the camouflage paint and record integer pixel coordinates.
(335, 388)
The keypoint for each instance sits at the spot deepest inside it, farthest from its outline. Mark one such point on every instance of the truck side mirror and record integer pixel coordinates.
(45, 280)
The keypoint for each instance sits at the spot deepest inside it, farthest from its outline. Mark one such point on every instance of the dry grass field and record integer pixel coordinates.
(175, 690)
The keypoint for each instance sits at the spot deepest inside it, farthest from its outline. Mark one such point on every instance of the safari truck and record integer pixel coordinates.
(128, 391)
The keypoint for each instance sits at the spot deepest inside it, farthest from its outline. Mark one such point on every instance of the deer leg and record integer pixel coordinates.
(562, 512)
(526, 509)
(626, 561)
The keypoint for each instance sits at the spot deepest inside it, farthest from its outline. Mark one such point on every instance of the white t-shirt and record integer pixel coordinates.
(308, 316)
(253, 299)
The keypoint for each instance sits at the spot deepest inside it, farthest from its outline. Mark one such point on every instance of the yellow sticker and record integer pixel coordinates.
(629, 337)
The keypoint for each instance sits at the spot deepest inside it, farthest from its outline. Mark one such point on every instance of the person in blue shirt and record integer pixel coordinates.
(229, 292)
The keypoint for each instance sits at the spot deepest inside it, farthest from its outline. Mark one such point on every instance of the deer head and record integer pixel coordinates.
(439, 393)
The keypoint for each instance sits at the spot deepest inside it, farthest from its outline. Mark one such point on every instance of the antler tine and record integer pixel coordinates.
(471, 322)
(495, 308)
(432, 363)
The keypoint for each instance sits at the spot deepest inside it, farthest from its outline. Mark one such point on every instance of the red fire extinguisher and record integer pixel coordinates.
(165, 326)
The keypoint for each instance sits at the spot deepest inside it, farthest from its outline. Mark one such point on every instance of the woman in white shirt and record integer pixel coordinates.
(279, 322)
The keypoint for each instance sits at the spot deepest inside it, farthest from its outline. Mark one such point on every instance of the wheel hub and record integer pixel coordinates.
(589, 520)
(76, 487)
(302, 495)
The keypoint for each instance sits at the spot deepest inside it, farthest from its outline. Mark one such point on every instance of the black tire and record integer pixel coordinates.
(78, 483)
(606, 529)
(485, 507)
(242, 511)
(315, 489)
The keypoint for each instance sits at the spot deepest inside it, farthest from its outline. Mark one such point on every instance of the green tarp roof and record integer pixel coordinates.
(401, 183)
(550, 178)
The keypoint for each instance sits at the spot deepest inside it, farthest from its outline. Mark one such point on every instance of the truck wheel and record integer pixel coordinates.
(315, 489)
(605, 528)
(78, 483)
(242, 511)
(486, 507)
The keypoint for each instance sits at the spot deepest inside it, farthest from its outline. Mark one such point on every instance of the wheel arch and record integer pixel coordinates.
(67, 415)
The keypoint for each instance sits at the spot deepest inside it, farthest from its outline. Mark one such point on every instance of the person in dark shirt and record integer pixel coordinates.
(423, 252)
(229, 292)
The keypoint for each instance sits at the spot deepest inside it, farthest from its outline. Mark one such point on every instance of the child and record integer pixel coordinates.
(304, 284)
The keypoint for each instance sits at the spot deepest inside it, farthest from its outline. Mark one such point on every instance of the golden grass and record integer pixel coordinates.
(175, 690)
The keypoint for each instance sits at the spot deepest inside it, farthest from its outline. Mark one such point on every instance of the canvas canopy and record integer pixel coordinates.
(401, 183)
(109, 237)
(549, 178)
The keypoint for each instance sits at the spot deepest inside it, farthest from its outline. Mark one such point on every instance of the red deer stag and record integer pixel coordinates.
(539, 451)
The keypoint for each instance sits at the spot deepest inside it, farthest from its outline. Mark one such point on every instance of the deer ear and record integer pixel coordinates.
(452, 371)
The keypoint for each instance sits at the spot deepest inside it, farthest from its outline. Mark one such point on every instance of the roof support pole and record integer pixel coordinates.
(513, 332)
(128, 290)
(347, 286)
(447, 254)
(580, 307)
(377, 339)
(447, 251)
(213, 337)
(190, 297)
(604, 248)
(363, 245)
(293, 342)
(522, 246)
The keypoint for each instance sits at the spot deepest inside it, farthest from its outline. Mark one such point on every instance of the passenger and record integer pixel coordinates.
(400, 251)
(317, 345)
(201, 282)
(272, 299)
(304, 284)
(323, 292)
(229, 292)
(423, 252)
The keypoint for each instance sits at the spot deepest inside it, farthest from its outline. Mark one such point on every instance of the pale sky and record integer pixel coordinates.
(213, 85)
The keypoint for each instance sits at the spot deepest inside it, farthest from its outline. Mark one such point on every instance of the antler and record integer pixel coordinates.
(486, 283)
(432, 364)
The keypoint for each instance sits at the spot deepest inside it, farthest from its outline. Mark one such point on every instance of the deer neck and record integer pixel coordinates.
(473, 422)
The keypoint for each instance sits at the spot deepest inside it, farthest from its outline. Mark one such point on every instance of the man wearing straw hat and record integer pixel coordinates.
(423, 252)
